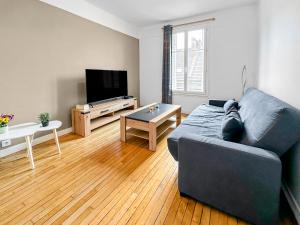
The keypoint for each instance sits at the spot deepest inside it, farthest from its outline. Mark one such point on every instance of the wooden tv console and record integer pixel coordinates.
(100, 114)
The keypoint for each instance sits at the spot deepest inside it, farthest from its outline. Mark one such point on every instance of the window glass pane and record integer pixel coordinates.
(195, 54)
(178, 71)
(178, 41)
(196, 39)
(178, 62)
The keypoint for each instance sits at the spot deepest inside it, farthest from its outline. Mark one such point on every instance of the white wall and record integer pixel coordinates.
(279, 75)
(87, 10)
(280, 47)
(232, 42)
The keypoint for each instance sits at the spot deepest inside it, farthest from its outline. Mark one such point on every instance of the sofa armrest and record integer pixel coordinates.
(218, 103)
(238, 179)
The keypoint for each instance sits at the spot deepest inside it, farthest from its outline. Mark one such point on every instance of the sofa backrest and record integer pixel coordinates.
(269, 122)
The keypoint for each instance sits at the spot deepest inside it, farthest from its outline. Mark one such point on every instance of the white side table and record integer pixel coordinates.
(26, 130)
(53, 125)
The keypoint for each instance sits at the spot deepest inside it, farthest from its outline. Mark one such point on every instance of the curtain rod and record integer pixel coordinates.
(199, 21)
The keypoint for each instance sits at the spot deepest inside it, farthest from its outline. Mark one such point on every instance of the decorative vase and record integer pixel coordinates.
(45, 123)
(3, 130)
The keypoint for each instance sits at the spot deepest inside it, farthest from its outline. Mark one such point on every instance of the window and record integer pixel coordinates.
(188, 61)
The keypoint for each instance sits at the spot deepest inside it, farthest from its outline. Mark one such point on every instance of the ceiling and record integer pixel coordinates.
(150, 12)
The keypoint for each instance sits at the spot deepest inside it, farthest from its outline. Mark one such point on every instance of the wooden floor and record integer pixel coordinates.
(99, 180)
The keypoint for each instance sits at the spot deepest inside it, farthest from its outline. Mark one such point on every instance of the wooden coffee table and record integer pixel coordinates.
(149, 125)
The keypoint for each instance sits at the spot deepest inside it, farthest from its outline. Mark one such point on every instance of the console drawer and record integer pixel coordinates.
(95, 113)
(100, 112)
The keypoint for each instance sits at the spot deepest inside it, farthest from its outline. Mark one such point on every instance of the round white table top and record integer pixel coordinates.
(21, 130)
(55, 124)
(28, 129)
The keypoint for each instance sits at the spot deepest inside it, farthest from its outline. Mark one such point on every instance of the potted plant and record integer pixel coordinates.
(4, 120)
(44, 118)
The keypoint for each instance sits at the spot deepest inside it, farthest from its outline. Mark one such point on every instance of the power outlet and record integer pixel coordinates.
(6, 143)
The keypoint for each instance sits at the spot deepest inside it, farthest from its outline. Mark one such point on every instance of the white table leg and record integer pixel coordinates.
(29, 150)
(56, 140)
(31, 141)
(32, 137)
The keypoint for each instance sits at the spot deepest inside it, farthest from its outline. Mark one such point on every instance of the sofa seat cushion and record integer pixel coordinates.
(205, 121)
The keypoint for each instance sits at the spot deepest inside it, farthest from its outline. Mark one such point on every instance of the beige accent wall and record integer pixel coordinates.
(44, 52)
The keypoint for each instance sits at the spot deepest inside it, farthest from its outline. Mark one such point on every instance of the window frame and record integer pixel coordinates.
(186, 29)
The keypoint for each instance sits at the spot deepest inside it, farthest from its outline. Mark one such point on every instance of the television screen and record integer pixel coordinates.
(105, 84)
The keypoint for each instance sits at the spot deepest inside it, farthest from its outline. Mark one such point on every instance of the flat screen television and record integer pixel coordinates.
(105, 84)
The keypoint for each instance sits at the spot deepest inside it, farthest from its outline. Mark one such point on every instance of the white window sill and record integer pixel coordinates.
(199, 94)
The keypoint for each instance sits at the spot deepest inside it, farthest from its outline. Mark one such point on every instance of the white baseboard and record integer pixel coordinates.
(292, 201)
(22, 146)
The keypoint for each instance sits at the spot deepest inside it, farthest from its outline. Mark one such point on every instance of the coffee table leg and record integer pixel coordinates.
(56, 140)
(29, 149)
(178, 117)
(152, 136)
(123, 128)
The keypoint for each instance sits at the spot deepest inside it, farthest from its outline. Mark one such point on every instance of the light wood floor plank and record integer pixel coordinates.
(166, 207)
(173, 209)
(206, 213)
(139, 185)
(187, 219)
(214, 217)
(232, 220)
(122, 206)
(100, 180)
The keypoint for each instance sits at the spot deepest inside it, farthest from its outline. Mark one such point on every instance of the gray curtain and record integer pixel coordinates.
(167, 66)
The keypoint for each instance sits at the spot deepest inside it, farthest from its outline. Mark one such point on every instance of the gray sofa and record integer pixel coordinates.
(242, 179)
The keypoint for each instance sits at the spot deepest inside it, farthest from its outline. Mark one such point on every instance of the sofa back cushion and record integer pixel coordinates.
(269, 123)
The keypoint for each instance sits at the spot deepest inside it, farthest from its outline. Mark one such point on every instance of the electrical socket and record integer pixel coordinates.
(6, 143)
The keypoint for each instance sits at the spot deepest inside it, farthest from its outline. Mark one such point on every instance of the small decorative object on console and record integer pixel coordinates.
(44, 119)
(84, 108)
(4, 120)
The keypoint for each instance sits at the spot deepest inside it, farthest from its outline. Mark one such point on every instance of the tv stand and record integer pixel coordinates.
(100, 114)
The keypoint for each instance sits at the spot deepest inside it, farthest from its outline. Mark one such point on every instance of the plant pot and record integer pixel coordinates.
(45, 123)
(3, 130)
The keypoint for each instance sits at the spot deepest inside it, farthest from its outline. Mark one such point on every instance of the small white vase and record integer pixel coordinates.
(3, 130)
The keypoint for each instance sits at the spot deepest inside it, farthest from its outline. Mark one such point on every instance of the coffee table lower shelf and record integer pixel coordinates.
(145, 134)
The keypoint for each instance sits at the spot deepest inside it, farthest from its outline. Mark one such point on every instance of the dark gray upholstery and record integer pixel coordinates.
(232, 126)
(242, 179)
(218, 103)
(205, 121)
(268, 122)
(229, 104)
